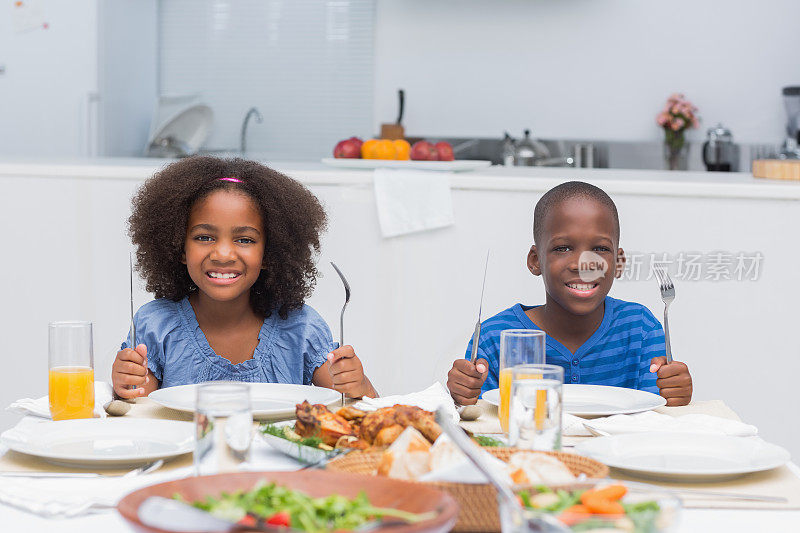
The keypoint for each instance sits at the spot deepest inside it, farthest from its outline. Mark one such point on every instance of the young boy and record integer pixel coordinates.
(595, 338)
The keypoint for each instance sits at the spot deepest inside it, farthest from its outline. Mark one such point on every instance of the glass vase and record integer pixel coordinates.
(676, 157)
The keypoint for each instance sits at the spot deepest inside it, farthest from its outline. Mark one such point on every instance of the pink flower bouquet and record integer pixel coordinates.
(678, 115)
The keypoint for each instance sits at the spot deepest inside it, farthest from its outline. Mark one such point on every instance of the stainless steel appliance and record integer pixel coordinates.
(791, 102)
(719, 152)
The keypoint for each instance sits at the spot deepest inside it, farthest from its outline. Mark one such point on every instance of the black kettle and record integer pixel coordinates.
(719, 152)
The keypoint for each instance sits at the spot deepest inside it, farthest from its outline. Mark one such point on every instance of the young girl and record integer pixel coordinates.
(227, 247)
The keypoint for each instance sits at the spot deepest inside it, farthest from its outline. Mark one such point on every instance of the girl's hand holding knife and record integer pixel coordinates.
(129, 373)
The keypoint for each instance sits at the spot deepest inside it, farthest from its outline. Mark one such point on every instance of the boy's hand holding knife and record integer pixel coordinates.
(465, 379)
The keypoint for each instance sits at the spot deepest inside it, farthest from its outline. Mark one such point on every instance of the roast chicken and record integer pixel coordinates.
(317, 421)
(352, 428)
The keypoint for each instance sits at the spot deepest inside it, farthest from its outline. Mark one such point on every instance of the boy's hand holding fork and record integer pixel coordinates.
(674, 380)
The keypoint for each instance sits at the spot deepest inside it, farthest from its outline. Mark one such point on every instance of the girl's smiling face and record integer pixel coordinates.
(224, 247)
(575, 229)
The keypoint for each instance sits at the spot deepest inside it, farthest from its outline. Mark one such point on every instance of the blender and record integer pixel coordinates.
(791, 102)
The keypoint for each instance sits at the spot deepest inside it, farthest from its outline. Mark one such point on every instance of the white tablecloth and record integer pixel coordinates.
(692, 520)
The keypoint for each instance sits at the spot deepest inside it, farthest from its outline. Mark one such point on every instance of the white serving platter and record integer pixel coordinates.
(305, 454)
(684, 457)
(598, 400)
(459, 165)
(102, 442)
(268, 401)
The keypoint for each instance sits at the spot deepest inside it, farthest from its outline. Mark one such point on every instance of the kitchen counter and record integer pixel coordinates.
(498, 178)
(415, 296)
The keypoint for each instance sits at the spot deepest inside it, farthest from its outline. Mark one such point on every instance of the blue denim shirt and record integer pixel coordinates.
(178, 352)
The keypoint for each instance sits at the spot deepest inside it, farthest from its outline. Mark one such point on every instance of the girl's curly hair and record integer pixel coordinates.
(292, 217)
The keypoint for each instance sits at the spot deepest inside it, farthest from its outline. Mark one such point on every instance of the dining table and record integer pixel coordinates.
(697, 515)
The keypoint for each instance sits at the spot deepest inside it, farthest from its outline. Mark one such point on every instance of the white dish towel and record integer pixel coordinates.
(40, 407)
(409, 201)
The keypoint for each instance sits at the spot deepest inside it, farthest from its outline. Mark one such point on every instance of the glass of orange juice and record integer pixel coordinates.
(71, 370)
(517, 347)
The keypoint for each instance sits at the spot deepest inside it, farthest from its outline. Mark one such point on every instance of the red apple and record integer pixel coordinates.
(445, 151)
(424, 151)
(357, 141)
(348, 148)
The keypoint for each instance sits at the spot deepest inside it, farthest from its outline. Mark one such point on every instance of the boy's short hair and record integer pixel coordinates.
(566, 191)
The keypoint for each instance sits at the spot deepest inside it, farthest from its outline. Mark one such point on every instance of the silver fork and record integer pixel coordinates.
(144, 469)
(667, 296)
(346, 301)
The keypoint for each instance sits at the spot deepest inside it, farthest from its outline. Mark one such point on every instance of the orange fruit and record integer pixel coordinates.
(403, 149)
(385, 149)
(368, 149)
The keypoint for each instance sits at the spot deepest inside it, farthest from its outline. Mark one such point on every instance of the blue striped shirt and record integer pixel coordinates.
(617, 354)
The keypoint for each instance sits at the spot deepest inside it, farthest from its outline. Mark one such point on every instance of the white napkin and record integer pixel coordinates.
(412, 200)
(103, 393)
(464, 471)
(429, 399)
(68, 497)
(572, 426)
(653, 421)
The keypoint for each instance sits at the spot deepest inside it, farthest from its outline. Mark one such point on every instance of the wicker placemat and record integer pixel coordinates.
(477, 502)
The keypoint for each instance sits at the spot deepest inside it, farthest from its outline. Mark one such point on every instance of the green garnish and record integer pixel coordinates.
(280, 431)
(484, 440)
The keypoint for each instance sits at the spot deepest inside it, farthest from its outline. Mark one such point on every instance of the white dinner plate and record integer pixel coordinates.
(459, 165)
(269, 401)
(682, 457)
(102, 442)
(598, 400)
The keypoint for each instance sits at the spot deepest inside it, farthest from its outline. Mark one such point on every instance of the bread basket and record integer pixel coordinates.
(477, 502)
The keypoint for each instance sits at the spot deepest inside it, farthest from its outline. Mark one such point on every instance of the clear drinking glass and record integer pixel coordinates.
(223, 427)
(535, 410)
(70, 370)
(517, 347)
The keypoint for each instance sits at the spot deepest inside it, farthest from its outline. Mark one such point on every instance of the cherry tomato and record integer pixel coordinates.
(248, 520)
(281, 518)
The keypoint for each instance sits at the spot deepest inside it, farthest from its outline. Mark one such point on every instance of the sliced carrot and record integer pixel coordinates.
(575, 514)
(612, 492)
(599, 505)
(609, 492)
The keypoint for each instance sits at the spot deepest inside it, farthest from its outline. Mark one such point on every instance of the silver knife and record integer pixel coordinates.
(133, 326)
(477, 334)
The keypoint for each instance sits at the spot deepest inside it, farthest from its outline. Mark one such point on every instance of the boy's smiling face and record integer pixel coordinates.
(576, 229)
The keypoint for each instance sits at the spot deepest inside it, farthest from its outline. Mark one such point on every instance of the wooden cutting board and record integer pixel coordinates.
(779, 169)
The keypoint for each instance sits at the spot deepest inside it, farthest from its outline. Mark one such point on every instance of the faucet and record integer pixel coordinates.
(243, 141)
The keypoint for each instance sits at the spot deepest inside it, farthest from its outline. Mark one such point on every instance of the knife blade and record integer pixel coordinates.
(133, 325)
(477, 333)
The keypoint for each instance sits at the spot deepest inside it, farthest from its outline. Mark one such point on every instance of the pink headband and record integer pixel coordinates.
(233, 180)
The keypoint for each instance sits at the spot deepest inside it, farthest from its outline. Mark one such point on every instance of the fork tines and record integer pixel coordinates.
(664, 281)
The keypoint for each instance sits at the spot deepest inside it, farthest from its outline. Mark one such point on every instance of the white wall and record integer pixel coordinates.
(85, 86)
(584, 68)
(414, 298)
(50, 76)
